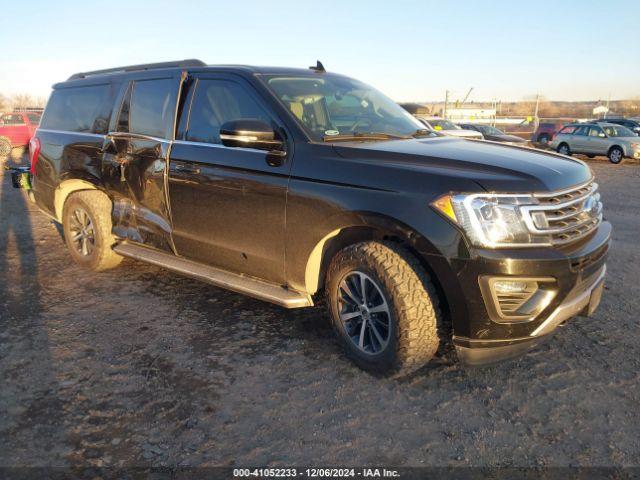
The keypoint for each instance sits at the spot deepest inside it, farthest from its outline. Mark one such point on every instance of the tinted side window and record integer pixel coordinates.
(34, 118)
(79, 109)
(152, 107)
(568, 130)
(216, 102)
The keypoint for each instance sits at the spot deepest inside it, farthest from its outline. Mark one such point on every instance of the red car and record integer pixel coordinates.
(16, 129)
(547, 129)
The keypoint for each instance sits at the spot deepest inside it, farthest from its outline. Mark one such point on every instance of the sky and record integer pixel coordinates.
(411, 50)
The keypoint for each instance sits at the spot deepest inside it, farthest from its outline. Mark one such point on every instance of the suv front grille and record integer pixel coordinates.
(565, 216)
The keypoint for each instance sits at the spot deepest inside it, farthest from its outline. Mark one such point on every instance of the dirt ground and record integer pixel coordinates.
(139, 366)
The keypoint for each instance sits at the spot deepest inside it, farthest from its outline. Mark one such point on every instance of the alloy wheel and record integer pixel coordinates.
(615, 156)
(364, 312)
(82, 232)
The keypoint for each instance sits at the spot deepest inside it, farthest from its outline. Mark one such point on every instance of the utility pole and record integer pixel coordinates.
(536, 120)
(446, 103)
(466, 97)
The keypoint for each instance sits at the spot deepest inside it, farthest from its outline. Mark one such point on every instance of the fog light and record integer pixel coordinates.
(517, 300)
(509, 286)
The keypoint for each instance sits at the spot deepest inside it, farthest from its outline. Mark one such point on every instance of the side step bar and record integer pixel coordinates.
(220, 278)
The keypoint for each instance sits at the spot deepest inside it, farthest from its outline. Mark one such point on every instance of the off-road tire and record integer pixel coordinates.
(5, 147)
(416, 320)
(98, 207)
(611, 155)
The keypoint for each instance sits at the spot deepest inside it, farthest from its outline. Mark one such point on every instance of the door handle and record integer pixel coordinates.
(186, 168)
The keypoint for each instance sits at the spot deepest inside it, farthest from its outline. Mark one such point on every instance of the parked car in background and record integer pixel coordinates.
(631, 124)
(591, 139)
(16, 129)
(546, 131)
(494, 134)
(447, 127)
(298, 185)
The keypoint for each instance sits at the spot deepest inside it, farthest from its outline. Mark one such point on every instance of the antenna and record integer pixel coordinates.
(318, 67)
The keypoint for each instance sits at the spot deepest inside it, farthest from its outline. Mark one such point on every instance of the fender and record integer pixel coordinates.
(66, 188)
(371, 226)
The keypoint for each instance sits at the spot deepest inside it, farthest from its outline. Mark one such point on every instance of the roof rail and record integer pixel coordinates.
(192, 62)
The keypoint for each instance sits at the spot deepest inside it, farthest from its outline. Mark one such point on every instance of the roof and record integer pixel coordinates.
(190, 64)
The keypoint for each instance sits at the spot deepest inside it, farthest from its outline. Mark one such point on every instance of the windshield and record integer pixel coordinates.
(441, 124)
(331, 106)
(618, 131)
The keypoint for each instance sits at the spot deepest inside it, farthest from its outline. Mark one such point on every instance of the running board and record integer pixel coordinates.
(220, 278)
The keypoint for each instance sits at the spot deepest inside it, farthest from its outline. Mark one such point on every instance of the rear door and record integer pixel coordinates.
(227, 203)
(579, 140)
(135, 161)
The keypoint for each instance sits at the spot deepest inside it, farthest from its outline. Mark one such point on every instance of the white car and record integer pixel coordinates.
(446, 127)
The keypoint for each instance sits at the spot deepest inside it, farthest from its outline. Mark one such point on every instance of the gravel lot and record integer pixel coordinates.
(139, 366)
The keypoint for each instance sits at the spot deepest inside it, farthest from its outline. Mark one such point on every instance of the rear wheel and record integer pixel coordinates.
(616, 155)
(5, 147)
(564, 149)
(383, 307)
(86, 221)
(543, 139)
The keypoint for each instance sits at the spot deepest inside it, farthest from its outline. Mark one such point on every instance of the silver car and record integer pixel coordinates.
(614, 141)
(446, 127)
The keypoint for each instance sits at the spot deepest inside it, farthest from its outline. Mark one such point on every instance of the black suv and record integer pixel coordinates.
(286, 184)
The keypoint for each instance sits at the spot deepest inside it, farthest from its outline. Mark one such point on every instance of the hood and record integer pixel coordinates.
(505, 138)
(461, 133)
(496, 167)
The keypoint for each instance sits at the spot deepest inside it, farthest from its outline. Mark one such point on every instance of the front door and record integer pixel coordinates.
(597, 142)
(134, 164)
(227, 203)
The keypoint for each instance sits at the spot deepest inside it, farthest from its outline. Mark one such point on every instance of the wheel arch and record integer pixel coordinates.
(619, 147)
(66, 188)
(386, 229)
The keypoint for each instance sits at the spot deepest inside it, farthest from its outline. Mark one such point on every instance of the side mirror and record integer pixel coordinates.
(250, 133)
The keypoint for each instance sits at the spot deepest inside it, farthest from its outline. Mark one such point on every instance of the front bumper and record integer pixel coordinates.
(579, 273)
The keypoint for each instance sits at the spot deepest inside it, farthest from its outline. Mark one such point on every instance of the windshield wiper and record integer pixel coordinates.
(364, 136)
(423, 132)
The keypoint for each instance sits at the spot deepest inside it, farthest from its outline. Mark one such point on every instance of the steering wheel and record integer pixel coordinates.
(359, 122)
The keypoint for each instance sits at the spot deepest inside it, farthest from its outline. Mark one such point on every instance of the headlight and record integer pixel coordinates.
(491, 220)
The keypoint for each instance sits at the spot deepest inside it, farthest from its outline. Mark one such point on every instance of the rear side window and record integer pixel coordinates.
(568, 130)
(79, 109)
(152, 107)
(34, 118)
(217, 102)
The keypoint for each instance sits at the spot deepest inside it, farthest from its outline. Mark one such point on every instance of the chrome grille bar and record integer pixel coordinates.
(565, 216)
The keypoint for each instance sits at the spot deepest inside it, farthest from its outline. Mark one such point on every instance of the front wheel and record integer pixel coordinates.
(86, 220)
(615, 155)
(384, 308)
